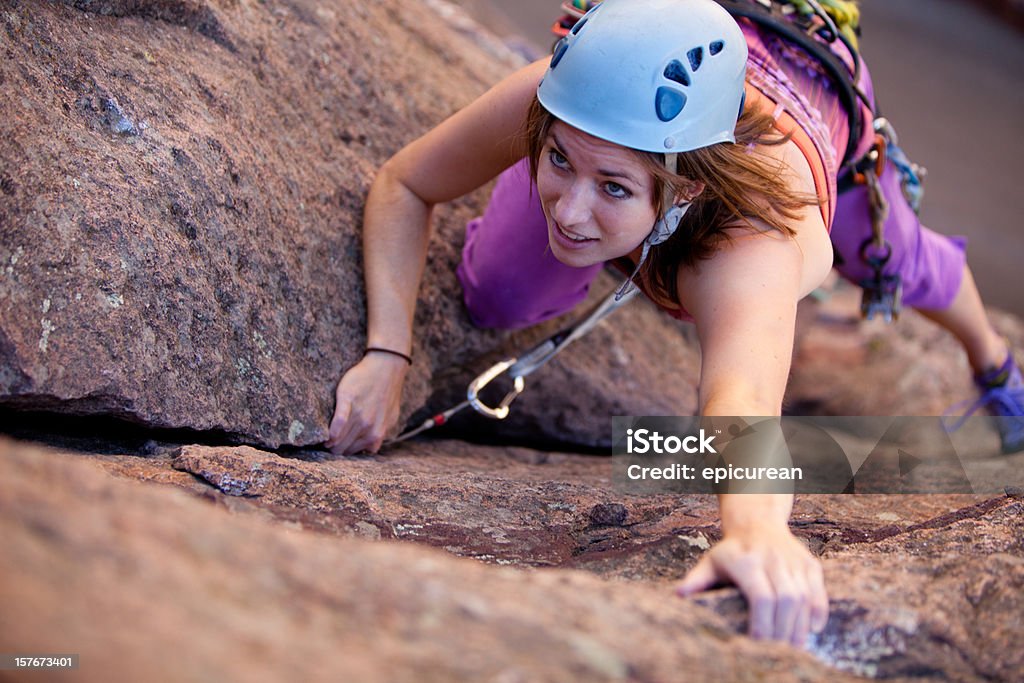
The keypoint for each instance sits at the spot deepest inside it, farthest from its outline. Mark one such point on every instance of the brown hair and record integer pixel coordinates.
(740, 183)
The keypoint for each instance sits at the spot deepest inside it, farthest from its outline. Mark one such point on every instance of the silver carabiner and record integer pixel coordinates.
(501, 411)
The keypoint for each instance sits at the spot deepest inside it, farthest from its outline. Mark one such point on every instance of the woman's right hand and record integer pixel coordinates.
(366, 404)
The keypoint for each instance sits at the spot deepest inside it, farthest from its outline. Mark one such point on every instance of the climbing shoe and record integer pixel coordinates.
(1002, 393)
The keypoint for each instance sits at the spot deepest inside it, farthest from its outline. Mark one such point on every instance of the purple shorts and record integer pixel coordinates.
(510, 278)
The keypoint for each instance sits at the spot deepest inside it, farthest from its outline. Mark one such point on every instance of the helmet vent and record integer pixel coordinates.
(579, 25)
(668, 102)
(676, 72)
(560, 47)
(716, 47)
(696, 56)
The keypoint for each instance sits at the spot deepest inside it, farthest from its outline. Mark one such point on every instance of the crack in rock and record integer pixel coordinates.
(198, 16)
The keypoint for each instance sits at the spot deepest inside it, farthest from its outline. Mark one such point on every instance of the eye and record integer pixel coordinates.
(617, 191)
(557, 159)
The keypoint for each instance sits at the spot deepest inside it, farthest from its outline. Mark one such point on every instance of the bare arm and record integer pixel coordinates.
(456, 157)
(744, 304)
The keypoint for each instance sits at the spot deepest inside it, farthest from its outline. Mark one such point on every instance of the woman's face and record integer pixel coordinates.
(597, 197)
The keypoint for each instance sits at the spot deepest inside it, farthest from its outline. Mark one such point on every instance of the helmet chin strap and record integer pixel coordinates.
(665, 227)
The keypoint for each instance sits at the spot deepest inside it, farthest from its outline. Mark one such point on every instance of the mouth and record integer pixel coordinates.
(572, 236)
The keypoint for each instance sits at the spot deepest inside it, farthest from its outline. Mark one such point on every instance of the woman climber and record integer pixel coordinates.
(706, 149)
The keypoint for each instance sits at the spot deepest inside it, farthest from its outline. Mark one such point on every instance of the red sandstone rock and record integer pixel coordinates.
(182, 185)
(145, 582)
(922, 587)
(179, 218)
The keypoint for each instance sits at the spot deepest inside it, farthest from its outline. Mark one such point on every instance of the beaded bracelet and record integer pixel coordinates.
(407, 359)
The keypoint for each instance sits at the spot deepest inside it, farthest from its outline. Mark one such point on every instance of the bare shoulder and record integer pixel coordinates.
(811, 234)
(763, 264)
(794, 164)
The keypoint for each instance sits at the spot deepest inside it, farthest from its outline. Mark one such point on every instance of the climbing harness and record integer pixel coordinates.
(843, 13)
(808, 25)
(520, 367)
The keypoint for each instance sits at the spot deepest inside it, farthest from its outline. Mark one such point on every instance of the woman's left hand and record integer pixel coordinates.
(783, 583)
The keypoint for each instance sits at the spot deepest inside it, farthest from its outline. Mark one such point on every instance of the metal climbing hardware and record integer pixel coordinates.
(912, 175)
(573, 12)
(882, 292)
(842, 17)
(500, 411)
(814, 28)
(520, 367)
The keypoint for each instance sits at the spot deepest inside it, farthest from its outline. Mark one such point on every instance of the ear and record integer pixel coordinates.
(689, 190)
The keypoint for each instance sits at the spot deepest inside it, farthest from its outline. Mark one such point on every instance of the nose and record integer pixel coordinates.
(572, 206)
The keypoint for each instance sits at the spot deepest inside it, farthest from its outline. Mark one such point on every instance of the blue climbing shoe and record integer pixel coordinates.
(1002, 393)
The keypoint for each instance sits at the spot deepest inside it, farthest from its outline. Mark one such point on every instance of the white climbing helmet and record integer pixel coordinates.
(655, 75)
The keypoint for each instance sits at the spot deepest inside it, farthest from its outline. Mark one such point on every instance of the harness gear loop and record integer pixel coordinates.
(841, 16)
(883, 293)
(832, 32)
(875, 156)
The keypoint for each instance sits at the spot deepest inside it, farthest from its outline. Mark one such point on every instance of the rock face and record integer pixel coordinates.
(327, 568)
(321, 571)
(150, 571)
(180, 203)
